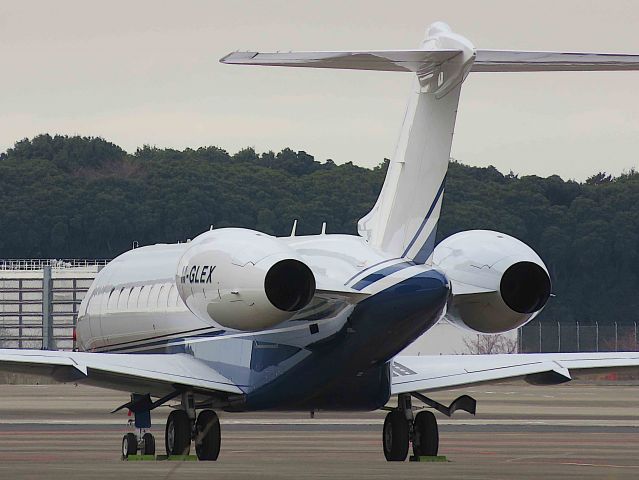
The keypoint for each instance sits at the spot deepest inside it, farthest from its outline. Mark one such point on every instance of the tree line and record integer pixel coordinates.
(72, 197)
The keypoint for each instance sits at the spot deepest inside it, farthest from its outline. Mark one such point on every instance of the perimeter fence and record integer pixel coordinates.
(39, 301)
(551, 337)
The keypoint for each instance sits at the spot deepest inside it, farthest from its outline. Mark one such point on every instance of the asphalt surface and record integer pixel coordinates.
(567, 431)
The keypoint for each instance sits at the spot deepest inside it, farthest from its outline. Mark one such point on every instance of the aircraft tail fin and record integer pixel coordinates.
(415, 180)
(403, 221)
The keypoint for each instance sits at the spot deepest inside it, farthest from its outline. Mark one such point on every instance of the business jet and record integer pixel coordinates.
(238, 320)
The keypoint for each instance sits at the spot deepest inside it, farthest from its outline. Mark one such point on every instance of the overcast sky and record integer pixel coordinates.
(147, 72)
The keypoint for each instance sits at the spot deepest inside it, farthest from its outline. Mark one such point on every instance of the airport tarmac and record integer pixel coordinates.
(567, 431)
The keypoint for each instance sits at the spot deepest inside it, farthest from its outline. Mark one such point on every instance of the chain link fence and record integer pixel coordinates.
(552, 337)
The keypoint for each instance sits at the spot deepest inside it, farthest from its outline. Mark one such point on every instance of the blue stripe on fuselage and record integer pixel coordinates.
(383, 273)
(152, 345)
(369, 268)
(428, 247)
(430, 211)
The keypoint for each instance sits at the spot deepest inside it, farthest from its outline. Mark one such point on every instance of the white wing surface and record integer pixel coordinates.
(525, 61)
(447, 372)
(383, 60)
(155, 374)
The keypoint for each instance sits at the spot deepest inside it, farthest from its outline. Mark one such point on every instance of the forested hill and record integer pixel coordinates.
(85, 197)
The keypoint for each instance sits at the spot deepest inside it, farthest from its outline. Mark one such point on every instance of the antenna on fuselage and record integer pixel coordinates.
(323, 228)
(294, 228)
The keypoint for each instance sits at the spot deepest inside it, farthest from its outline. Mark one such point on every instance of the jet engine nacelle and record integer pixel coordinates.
(243, 279)
(498, 283)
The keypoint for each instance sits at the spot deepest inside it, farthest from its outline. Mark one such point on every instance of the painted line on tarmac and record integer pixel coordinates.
(604, 465)
(345, 422)
(319, 421)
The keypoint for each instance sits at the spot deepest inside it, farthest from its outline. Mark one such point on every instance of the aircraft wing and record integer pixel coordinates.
(158, 375)
(446, 372)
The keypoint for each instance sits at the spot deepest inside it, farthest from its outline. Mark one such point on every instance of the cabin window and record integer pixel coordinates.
(124, 299)
(113, 300)
(143, 301)
(104, 298)
(153, 296)
(173, 297)
(133, 298)
(92, 304)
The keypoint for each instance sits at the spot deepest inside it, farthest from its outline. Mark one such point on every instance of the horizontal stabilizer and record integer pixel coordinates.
(384, 60)
(420, 60)
(523, 61)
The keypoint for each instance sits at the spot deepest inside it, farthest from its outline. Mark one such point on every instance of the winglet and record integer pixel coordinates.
(555, 375)
(81, 368)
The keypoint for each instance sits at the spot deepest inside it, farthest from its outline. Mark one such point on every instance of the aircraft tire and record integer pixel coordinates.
(395, 436)
(177, 436)
(209, 440)
(427, 435)
(149, 444)
(129, 445)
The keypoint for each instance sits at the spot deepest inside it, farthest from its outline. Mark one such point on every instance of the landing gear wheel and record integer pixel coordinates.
(149, 444)
(395, 436)
(426, 442)
(208, 440)
(129, 445)
(178, 433)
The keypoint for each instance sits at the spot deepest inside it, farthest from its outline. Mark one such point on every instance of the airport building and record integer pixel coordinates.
(39, 301)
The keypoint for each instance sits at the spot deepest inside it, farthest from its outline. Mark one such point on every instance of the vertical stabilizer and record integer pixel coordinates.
(403, 221)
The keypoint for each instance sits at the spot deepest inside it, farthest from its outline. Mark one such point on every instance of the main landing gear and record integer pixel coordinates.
(181, 430)
(183, 427)
(402, 427)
